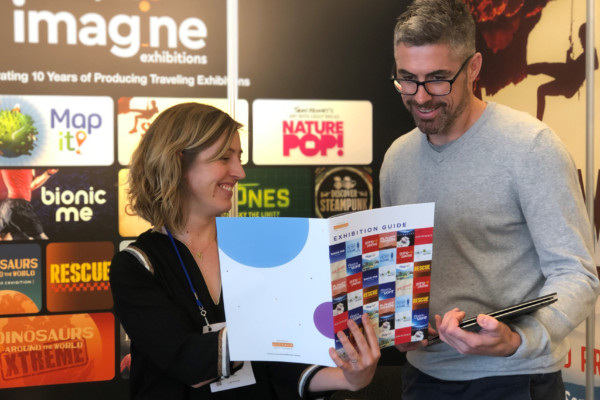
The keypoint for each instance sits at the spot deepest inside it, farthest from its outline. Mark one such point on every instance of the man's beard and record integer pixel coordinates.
(431, 126)
(442, 122)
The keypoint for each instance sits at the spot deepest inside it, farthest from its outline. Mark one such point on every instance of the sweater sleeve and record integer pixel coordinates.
(553, 207)
(159, 329)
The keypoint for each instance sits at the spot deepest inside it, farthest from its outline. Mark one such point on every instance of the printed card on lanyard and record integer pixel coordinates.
(242, 377)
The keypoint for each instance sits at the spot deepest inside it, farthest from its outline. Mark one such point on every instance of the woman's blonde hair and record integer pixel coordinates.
(167, 149)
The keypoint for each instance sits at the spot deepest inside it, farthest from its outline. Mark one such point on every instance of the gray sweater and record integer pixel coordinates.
(510, 225)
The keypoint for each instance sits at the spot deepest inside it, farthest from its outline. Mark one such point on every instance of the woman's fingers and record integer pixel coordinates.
(366, 350)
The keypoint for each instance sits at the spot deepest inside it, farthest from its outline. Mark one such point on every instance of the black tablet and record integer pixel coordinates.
(505, 314)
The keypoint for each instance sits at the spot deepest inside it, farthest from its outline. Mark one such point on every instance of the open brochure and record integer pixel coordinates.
(289, 284)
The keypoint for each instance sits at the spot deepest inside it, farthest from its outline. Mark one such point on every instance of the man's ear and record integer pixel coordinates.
(474, 66)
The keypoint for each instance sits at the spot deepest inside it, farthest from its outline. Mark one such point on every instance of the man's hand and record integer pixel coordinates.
(494, 339)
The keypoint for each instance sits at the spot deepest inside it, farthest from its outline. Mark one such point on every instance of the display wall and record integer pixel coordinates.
(86, 79)
(81, 82)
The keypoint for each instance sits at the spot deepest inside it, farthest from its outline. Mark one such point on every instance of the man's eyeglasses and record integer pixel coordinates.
(435, 87)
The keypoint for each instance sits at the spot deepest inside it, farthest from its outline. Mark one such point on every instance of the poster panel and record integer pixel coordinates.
(20, 279)
(56, 130)
(312, 132)
(55, 349)
(521, 70)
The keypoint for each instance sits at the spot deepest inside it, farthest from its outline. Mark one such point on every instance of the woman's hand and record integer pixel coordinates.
(358, 371)
(362, 361)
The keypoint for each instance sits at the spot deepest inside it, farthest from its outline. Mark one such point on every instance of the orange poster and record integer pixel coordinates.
(77, 276)
(55, 349)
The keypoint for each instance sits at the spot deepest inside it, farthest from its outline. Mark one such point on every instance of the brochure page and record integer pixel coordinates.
(381, 265)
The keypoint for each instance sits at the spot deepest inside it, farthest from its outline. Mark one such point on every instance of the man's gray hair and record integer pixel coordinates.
(437, 22)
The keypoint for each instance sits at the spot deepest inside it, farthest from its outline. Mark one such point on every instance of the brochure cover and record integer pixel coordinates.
(289, 284)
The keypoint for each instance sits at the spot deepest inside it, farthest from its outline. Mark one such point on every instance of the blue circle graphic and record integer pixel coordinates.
(262, 242)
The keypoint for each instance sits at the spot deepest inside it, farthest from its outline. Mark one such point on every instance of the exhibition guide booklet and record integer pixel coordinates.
(289, 284)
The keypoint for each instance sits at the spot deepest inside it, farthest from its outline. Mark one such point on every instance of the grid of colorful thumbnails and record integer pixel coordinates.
(387, 276)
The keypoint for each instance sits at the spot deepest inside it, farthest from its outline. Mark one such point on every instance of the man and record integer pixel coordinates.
(510, 222)
(18, 219)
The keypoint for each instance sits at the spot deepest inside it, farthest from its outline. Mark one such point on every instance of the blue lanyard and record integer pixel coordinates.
(198, 302)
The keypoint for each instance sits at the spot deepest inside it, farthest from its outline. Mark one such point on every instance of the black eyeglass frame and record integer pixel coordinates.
(424, 83)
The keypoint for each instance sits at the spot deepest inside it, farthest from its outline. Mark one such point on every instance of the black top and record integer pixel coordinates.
(169, 352)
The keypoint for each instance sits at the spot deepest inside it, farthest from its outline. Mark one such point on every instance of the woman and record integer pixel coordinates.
(167, 286)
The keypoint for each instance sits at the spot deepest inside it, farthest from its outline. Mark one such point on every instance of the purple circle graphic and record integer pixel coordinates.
(323, 318)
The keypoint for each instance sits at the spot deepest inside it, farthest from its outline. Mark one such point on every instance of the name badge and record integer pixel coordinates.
(242, 377)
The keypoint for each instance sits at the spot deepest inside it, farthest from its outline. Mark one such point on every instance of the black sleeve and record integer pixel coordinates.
(291, 381)
(158, 327)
